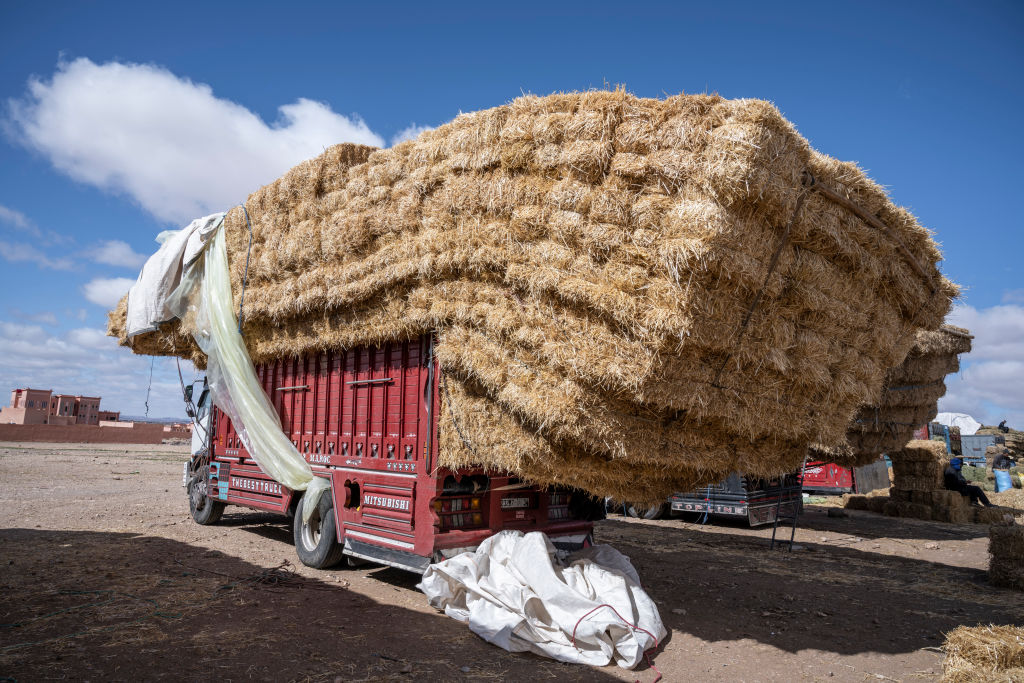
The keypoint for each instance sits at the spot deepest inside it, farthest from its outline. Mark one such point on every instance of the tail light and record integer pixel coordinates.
(456, 513)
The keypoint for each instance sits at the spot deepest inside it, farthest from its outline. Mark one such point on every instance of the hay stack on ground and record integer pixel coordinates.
(633, 296)
(1013, 440)
(908, 400)
(984, 654)
(1006, 546)
(918, 492)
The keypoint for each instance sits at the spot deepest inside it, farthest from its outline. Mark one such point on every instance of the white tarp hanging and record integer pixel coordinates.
(514, 593)
(967, 424)
(147, 299)
(232, 378)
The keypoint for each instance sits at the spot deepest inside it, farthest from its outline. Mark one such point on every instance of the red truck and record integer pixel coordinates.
(367, 420)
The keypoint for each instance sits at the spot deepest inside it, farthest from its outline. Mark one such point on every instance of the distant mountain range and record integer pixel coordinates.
(161, 420)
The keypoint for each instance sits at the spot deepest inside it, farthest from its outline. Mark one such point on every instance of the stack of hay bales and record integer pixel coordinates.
(984, 654)
(1006, 546)
(631, 296)
(918, 490)
(917, 487)
(1013, 440)
(909, 399)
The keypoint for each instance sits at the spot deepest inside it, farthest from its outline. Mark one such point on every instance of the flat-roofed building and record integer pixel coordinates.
(28, 407)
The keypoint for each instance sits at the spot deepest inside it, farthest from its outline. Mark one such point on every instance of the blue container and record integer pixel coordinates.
(1003, 481)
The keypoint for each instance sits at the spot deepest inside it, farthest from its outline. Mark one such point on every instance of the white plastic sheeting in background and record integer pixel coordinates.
(967, 424)
(514, 593)
(232, 378)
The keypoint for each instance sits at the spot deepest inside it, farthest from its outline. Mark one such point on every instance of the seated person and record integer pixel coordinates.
(955, 481)
(1003, 461)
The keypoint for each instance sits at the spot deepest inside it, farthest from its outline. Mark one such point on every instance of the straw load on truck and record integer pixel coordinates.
(630, 296)
(909, 399)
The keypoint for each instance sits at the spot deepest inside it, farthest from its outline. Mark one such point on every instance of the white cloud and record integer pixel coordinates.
(166, 142)
(16, 251)
(116, 253)
(991, 385)
(107, 291)
(1013, 296)
(45, 317)
(85, 361)
(23, 223)
(17, 219)
(998, 331)
(91, 338)
(410, 133)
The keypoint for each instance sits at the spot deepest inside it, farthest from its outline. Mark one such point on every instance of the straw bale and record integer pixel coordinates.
(913, 510)
(900, 494)
(892, 508)
(992, 515)
(976, 654)
(921, 497)
(909, 398)
(856, 502)
(1006, 574)
(1006, 541)
(628, 286)
(920, 451)
(954, 514)
(877, 503)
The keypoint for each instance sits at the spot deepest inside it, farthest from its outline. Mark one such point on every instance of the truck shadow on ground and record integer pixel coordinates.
(874, 525)
(723, 585)
(114, 606)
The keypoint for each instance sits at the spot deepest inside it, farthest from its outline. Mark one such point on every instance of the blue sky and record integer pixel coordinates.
(120, 120)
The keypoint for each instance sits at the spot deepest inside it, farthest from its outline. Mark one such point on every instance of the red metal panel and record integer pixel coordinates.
(368, 418)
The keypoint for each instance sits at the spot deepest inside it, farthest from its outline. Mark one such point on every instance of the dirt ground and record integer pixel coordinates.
(105, 577)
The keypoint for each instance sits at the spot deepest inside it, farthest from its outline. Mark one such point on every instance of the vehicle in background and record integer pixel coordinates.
(756, 500)
(950, 435)
(830, 478)
(367, 420)
(975, 445)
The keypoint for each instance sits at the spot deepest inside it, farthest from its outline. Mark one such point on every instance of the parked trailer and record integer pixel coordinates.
(740, 496)
(830, 478)
(975, 445)
(367, 420)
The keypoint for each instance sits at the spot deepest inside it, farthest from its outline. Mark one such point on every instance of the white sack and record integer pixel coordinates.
(515, 594)
(232, 378)
(162, 272)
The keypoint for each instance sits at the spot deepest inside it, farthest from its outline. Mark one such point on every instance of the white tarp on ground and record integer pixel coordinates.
(514, 593)
(197, 257)
(967, 424)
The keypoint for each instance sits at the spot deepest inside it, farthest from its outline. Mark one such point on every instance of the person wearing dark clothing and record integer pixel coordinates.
(955, 481)
(1003, 428)
(1003, 461)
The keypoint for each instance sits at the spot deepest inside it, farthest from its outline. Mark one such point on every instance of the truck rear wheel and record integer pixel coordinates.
(652, 512)
(204, 509)
(316, 541)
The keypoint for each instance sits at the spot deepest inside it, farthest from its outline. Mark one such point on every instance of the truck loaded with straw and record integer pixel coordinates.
(620, 296)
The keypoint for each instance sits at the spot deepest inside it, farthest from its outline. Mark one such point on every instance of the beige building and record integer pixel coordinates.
(42, 406)
(28, 407)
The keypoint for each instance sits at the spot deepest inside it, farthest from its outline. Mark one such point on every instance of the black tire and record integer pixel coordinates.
(640, 512)
(316, 542)
(204, 509)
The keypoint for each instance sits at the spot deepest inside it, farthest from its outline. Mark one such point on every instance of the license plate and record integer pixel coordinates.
(514, 503)
(184, 476)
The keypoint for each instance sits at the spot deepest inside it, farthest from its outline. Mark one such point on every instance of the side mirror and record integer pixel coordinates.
(189, 411)
(188, 393)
